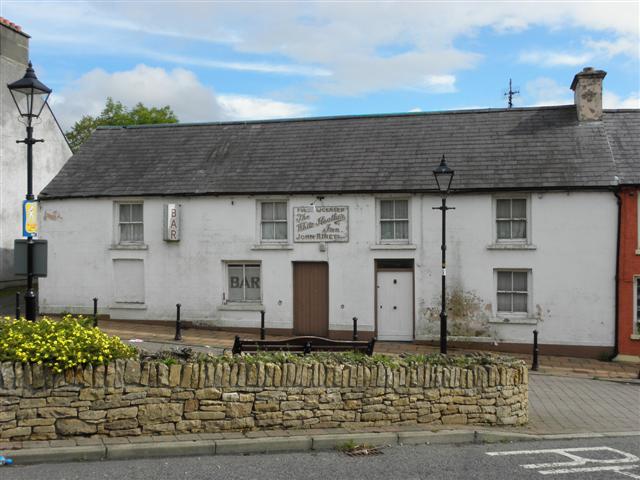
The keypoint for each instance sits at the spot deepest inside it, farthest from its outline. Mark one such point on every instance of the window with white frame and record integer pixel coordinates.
(513, 291)
(130, 222)
(273, 221)
(243, 282)
(511, 219)
(394, 220)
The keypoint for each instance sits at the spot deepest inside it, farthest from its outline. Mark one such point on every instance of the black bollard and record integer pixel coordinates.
(178, 324)
(262, 329)
(95, 311)
(355, 328)
(535, 364)
(17, 305)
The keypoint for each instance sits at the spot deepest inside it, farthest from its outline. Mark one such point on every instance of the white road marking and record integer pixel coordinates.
(615, 468)
(577, 463)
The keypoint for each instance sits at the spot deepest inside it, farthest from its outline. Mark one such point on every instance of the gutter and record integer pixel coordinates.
(617, 278)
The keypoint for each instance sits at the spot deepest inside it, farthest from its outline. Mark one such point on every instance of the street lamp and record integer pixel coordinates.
(444, 176)
(30, 96)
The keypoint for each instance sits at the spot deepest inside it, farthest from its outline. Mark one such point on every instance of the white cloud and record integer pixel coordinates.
(338, 45)
(621, 46)
(440, 83)
(611, 100)
(179, 88)
(242, 107)
(546, 91)
(555, 59)
(415, 110)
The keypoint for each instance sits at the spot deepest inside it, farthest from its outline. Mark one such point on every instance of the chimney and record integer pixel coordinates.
(587, 94)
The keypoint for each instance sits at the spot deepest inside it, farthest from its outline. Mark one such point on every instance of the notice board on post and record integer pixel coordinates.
(39, 257)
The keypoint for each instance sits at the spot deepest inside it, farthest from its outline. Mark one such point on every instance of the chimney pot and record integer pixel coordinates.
(587, 88)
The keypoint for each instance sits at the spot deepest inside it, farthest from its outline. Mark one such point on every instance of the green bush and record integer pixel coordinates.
(59, 344)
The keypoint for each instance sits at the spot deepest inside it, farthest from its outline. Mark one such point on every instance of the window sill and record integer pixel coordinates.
(272, 246)
(514, 321)
(638, 252)
(128, 306)
(241, 307)
(635, 336)
(511, 246)
(132, 246)
(393, 246)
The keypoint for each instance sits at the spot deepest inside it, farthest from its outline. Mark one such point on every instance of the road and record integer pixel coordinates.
(438, 462)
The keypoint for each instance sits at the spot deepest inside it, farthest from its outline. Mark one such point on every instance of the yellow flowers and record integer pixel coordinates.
(59, 344)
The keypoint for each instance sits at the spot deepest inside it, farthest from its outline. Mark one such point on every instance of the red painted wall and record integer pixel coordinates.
(629, 267)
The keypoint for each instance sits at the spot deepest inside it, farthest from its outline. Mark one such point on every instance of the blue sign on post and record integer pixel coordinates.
(30, 218)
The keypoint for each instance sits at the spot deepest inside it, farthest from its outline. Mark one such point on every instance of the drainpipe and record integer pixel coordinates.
(617, 287)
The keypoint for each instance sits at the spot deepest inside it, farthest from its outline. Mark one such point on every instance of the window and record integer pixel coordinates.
(511, 219)
(394, 220)
(636, 329)
(244, 282)
(513, 291)
(273, 221)
(130, 224)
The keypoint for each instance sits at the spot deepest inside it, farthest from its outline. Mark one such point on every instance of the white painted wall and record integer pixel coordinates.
(572, 264)
(48, 157)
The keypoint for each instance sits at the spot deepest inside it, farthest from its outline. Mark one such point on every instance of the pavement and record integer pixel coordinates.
(569, 398)
(601, 458)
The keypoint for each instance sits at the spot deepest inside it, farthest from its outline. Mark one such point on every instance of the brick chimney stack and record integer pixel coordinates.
(587, 94)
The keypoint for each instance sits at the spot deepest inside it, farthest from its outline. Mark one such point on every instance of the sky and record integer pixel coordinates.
(227, 61)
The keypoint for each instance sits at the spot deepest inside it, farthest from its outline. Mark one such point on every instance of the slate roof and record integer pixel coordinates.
(520, 148)
(623, 132)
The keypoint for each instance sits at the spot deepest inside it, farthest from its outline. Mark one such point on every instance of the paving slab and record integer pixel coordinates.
(263, 445)
(329, 442)
(169, 449)
(442, 436)
(80, 453)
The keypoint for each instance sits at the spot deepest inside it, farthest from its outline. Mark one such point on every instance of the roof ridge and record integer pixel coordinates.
(337, 117)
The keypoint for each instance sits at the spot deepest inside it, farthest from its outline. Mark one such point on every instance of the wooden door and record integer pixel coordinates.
(395, 305)
(311, 298)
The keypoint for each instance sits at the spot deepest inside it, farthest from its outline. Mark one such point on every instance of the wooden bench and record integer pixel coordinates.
(304, 345)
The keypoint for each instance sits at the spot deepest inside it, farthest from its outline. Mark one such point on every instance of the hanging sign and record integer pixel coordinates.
(30, 218)
(171, 223)
(320, 224)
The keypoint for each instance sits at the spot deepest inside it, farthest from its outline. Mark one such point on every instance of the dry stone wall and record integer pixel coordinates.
(128, 398)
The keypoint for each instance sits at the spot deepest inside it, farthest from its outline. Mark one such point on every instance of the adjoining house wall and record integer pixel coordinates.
(134, 398)
(628, 331)
(570, 257)
(48, 157)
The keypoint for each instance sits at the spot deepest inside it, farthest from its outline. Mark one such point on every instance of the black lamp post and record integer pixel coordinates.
(443, 175)
(30, 95)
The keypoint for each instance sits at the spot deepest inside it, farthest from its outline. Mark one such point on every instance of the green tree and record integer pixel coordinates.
(116, 114)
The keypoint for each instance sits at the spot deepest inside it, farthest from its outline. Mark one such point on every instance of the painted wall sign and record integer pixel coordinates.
(30, 218)
(171, 222)
(320, 224)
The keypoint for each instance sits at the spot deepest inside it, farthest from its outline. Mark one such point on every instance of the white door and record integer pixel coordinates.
(395, 305)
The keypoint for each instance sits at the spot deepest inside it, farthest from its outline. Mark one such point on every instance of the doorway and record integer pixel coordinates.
(311, 298)
(394, 300)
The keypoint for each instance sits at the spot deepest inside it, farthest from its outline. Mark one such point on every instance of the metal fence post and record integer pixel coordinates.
(355, 328)
(178, 324)
(262, 329)
(17, 305)
(95, 311)
(535, 364)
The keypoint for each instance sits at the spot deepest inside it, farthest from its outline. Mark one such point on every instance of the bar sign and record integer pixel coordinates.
(171, 222)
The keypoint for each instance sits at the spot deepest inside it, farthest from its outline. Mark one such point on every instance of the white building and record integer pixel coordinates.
(320, 220)
(48, 156)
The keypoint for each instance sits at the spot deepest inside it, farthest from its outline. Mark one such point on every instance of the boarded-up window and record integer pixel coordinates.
(128, 280)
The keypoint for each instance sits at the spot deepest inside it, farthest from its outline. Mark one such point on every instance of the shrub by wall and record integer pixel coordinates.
(129, 397)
